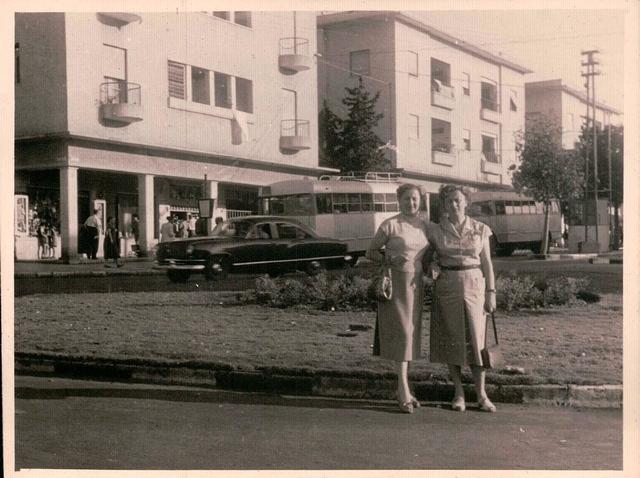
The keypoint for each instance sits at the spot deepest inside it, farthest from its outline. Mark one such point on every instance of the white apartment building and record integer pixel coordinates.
(566, 107)
(146, 113)
(450, 109)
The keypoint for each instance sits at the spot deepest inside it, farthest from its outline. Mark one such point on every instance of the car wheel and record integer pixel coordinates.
(217, 268)
(315, 267)
(178, 277)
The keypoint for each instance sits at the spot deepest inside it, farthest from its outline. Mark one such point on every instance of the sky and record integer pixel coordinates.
(546, 41)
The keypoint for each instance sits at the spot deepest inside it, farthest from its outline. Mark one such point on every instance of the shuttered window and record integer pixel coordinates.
(177, 80)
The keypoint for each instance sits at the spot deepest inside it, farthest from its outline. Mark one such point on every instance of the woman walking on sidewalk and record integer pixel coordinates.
(112, 243)
(399, 319)
(464, 293)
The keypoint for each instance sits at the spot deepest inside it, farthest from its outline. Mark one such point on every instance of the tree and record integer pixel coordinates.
(546, 171)
(351, 144)
(584, 146)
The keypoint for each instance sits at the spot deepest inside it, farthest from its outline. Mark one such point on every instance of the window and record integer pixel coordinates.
(200, 85)
(244, 95)
(508, 207)
(17, 65)
(489, 149)
(466, 139)
(243, 18)
(115, 62)
(412, 66)
(355, 203)
(513, 100)
(466, 84)
(489, 95)
(500, 208)
(367, 202)
(324, 204)
(440, 136)
(339, 203)
(289, 231)
(176, 72)
(222, 84)
(414, 127)
(481, 208)
(359, 62)
(441, 72)
(223, 15)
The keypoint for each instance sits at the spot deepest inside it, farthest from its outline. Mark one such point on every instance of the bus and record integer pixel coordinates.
(349, 208)
(517, 222)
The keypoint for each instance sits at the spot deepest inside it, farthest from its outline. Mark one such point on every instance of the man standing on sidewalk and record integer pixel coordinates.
(167, 230)
(93, 234)
(191, 222)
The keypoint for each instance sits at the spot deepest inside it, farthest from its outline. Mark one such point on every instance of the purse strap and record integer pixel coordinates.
(495, 330)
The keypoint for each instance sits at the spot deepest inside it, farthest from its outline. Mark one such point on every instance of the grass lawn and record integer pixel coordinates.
(580, 345)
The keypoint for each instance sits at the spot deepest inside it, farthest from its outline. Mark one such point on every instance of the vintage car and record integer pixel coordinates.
(252, 244)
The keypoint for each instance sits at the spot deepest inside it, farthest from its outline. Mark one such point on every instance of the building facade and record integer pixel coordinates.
(566, 108)
(451, 110)
(148, 113)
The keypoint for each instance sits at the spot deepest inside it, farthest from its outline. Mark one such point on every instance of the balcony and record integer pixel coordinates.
(490, 110)
(443, 154)
(120, 102)
(490, 163)
(118, 19)
(294, 135)
(294, 54)
(442, 95)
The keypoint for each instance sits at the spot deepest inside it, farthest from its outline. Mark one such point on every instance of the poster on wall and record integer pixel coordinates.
(100, 205)
(21, 215)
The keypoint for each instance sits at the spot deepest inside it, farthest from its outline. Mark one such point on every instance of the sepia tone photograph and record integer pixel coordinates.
(291, 238)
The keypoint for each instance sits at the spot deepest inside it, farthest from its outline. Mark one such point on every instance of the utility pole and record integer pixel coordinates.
(590, 74)
(612, 244)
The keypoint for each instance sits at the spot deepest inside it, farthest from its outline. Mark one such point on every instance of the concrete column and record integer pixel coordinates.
(69, 214)
(211, 192)
(146, 213)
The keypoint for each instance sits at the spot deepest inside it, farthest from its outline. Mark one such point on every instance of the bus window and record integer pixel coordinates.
(378, 202)
(391, 200)
(367, 202)
(500, 208)
(554, 207)
(539, 208)
(354, 202)
(339, 203)
(508, 207)
(298, 205)
(324, 203)
(517, 207)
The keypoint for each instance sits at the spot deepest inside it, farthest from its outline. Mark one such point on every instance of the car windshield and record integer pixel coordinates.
(238, 229)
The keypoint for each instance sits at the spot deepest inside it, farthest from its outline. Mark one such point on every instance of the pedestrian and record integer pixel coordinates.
(183, 229)
(53, 241)
(135, 227)
(92, 225)
(43, 241)
(167, 231)
(399, 322)
(219, 228)
(464, 293)
(112, 243)
(191, 221)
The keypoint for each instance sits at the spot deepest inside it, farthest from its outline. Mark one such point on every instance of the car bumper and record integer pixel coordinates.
(175, 265)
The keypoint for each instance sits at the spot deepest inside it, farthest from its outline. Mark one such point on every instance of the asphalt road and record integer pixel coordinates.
(605, 278)
(63, 423)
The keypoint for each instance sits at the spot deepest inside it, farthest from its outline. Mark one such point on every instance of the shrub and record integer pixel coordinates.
(515, 292)
(561, 290)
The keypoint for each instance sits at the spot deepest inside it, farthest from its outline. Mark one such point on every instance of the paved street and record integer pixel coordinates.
(77, 424)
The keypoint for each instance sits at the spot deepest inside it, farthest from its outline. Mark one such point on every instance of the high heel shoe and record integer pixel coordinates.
(458, 404)
(406, 407)
(485, 405)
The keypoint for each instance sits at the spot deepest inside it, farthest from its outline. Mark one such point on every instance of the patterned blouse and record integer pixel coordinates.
(455, 249)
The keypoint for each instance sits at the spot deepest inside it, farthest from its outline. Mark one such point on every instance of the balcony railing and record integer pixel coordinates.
(442, 95)
(490, 163)
(443, 153)
(120, 101)
(294, 54)
(443, 147)
(490, 110)
(294, 134)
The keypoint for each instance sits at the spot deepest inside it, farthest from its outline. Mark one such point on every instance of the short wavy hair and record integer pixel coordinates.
(403, 188)
(447, 189)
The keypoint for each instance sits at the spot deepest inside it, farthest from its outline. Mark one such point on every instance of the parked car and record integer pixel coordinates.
(253, 244)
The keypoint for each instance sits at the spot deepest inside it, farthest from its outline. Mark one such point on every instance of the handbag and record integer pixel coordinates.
(384, 288)
(492, 354)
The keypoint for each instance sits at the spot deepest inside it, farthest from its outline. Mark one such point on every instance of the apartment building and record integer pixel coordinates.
(565, 107)
(147, 113)
(450, 109)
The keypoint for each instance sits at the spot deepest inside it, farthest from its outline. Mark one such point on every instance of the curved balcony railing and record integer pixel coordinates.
(294, 54)
(118, 19)
(120, 101)
(295, 134)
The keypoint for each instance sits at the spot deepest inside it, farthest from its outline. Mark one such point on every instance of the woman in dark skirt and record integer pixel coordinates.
(112, 243)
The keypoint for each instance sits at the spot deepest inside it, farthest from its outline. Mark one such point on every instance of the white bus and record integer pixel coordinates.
(348, 208)
(517, 222)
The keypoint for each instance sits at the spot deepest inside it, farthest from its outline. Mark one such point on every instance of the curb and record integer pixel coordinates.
(289, 381)
(92, 273)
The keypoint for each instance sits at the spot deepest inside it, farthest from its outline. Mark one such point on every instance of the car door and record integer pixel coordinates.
(257, 250)
(294, 244)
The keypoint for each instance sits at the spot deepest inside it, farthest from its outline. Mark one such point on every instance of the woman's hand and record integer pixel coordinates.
(433, 270)
(490, 301)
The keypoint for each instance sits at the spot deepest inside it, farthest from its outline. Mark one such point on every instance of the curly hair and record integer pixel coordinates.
(447, 189)
(403, 188)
